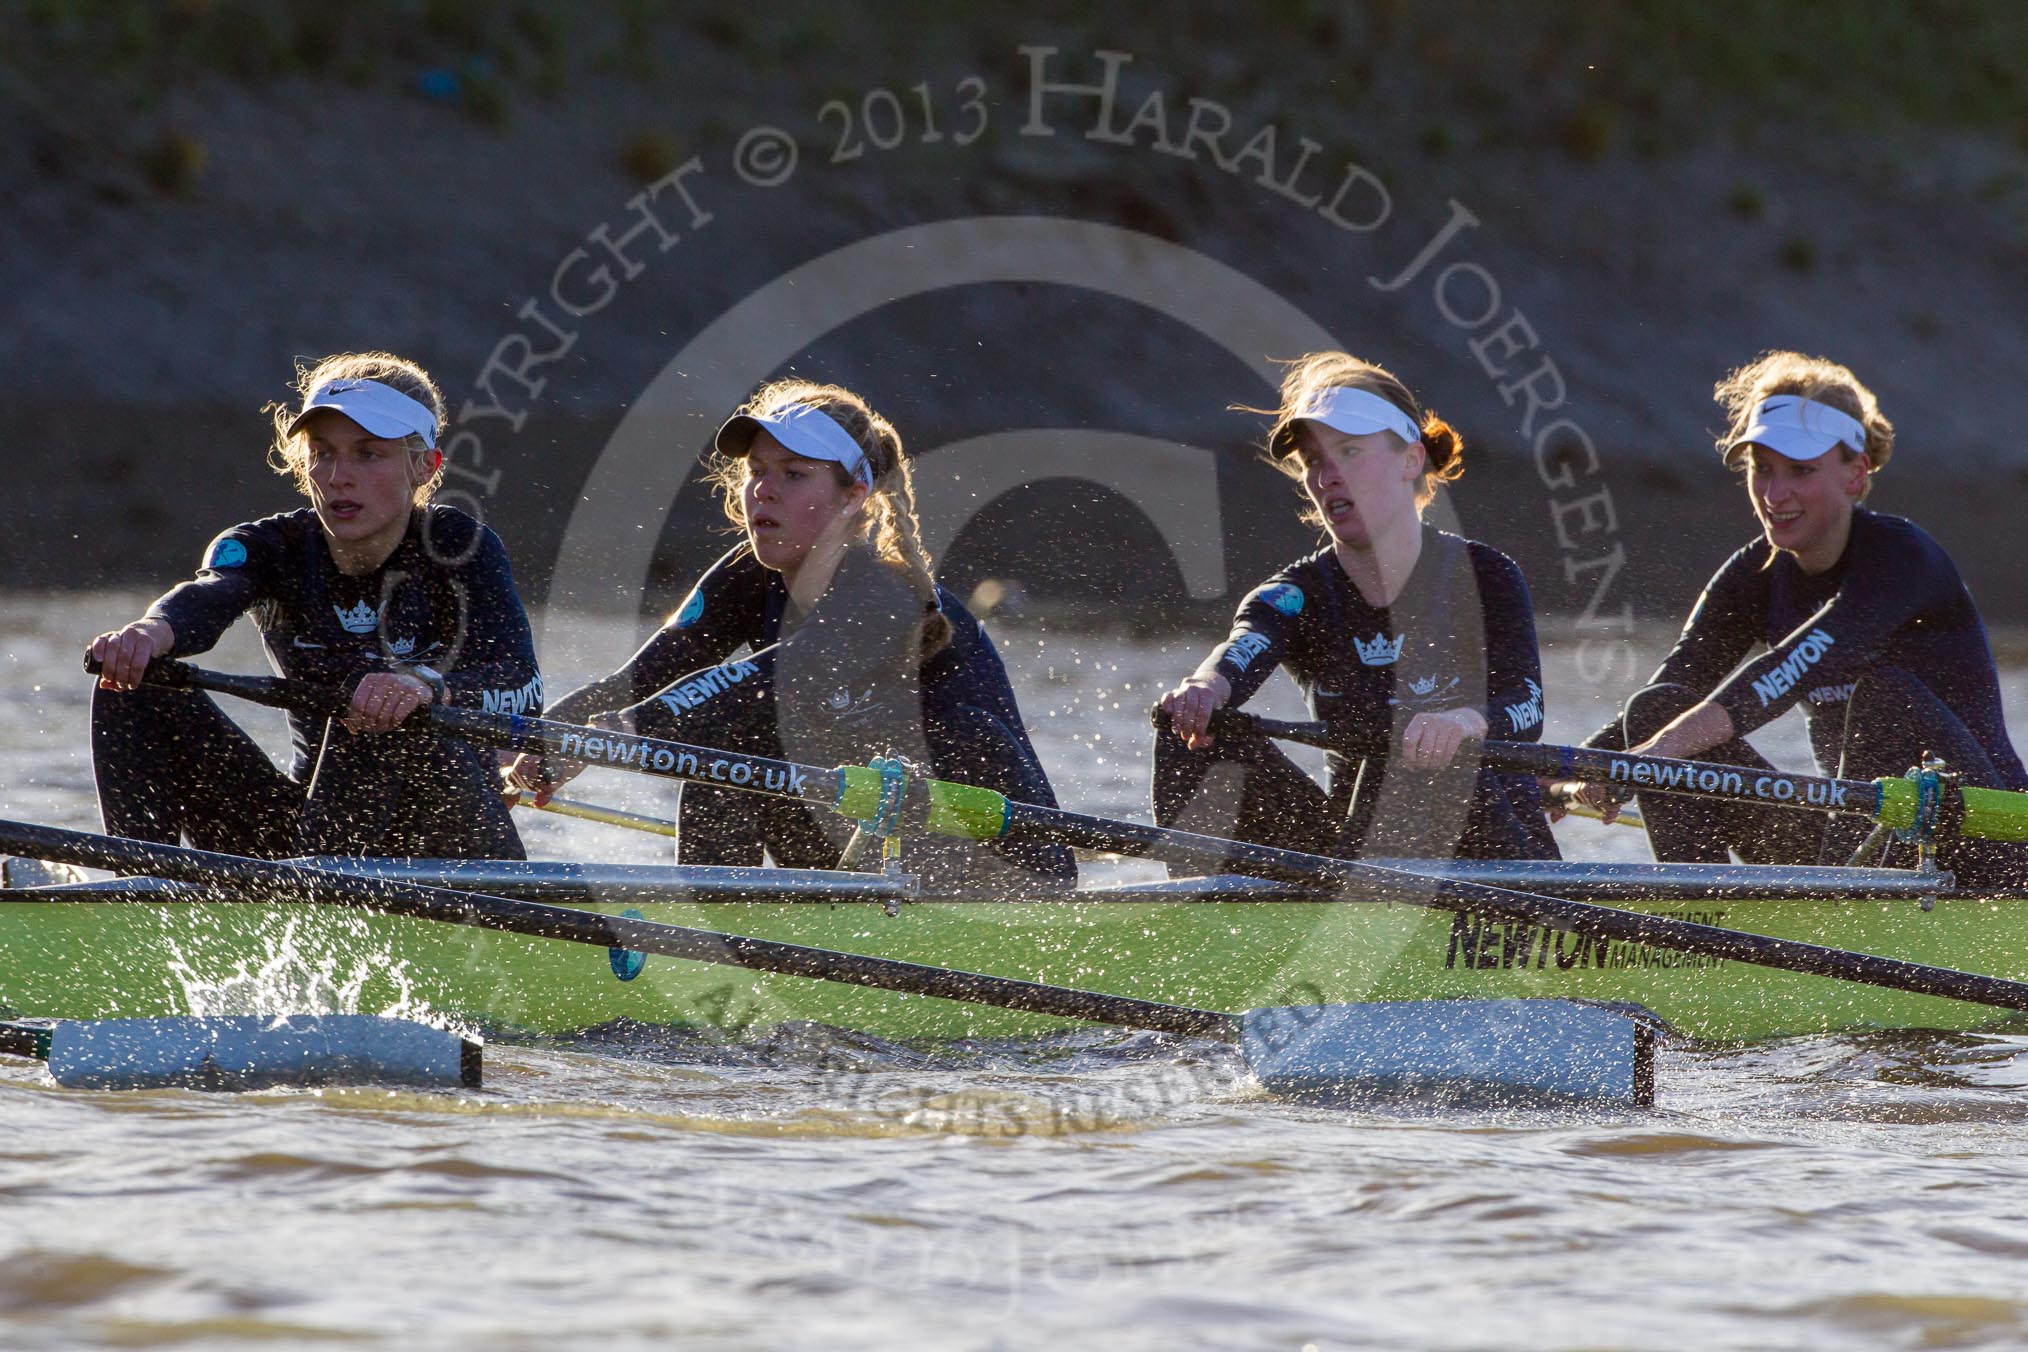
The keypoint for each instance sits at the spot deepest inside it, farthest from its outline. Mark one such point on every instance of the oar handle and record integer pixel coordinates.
(605, 816)
(1240, 723)
(275, 692)
(1991, 813)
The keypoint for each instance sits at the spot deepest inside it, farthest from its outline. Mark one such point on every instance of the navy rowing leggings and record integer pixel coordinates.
(1243, 786)
(1891, 719)
(170, 765)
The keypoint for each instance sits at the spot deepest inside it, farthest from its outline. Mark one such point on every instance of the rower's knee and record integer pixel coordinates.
(1893, 721)
(1889, 693)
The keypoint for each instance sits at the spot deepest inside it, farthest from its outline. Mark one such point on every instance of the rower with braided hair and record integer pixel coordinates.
(855, 651)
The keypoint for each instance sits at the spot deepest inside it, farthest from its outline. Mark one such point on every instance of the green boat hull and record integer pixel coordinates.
(105, 959)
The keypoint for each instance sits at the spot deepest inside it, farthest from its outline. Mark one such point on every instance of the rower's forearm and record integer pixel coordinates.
(160, 632)
(588, 702)
(1693, 733)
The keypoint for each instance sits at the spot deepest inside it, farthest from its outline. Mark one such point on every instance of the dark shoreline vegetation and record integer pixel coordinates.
(1589, 75)
(178, 192)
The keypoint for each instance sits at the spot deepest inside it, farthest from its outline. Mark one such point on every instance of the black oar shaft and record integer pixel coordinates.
(606, 931)
(649, 755)
(1453, 894)
(1736, 783)
(1660, 774)
(1027, 821)
(568, 741)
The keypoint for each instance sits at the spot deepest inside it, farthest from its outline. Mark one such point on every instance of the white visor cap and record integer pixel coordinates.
(802, 428)
(1357, 413)
(1799, 428)
(381, 409)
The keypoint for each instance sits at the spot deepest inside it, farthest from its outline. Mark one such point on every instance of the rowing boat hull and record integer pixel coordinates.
(105, 959)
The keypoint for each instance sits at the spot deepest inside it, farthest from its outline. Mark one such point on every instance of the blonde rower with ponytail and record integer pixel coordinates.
(1412, 644)
(1867, 628)
(371, 589)
(855, 649)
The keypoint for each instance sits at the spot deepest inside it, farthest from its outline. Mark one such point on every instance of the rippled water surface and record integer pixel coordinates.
(813, 1187)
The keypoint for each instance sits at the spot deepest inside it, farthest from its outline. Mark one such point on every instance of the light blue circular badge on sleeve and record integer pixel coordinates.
(1284, 596)
(225, 552)
(693, 610)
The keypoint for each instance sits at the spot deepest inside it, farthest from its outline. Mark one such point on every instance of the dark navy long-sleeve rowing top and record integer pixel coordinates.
(1460, 634)
(1893, 599)
(444, 598)
(847, 678)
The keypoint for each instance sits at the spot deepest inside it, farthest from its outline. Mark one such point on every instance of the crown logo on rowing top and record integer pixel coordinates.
(1422, 685)
(1381, 652)
(361, 619)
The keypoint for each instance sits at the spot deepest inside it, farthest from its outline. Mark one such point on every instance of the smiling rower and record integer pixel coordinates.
(372, 590)
(855, 651)
(1401, 637)
(1867, 624)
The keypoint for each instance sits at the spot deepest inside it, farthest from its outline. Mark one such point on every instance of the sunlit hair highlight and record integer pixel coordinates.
(289, 453)
(1310, 375)
(888, 522)
(1816, 378)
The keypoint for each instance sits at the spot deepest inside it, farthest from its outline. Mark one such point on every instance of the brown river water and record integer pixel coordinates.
(814, 1188)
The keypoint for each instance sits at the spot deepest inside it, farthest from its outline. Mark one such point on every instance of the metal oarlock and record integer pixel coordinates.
(885, 827)
(1876, 841)
(893, 788)
(1934, 784)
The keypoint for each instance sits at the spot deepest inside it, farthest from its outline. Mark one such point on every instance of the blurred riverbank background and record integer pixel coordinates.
(1057, 243)
(1560, 222)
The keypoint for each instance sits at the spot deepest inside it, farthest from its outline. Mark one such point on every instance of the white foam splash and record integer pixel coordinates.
(301, 969)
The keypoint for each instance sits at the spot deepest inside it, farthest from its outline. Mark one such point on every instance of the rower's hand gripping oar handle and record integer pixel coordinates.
(272, 691)
(1921, 804)
(1240, 723)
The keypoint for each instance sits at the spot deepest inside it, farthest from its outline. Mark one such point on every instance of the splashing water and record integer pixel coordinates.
(301, 969)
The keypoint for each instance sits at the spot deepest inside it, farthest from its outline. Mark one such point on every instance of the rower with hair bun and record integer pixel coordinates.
(1868, 627)
(1410, 643)
(854, 650)
(374, 591)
